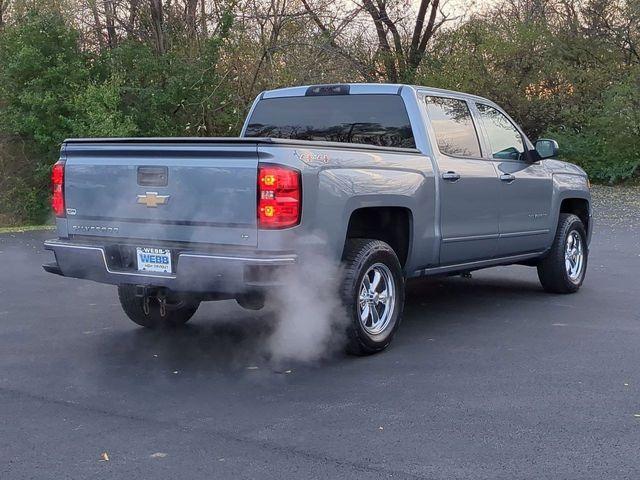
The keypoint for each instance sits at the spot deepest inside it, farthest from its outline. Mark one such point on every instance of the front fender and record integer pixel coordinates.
(569, 186)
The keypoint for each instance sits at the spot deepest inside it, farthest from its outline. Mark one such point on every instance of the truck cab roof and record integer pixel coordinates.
(367, 88)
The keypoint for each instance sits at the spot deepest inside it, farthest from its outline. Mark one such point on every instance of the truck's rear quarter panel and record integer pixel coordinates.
(340, 179)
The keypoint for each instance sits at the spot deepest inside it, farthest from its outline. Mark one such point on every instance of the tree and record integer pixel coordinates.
(157, 25)
(564, 68)
(4, 6)
(399, 53)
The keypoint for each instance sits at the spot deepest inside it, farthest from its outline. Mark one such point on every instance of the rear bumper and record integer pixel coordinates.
(194, 271)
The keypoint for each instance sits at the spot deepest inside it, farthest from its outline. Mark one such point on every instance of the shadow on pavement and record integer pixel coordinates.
(222, 337)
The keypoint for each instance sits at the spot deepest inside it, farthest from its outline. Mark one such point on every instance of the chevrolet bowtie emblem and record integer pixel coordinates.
(152, 199)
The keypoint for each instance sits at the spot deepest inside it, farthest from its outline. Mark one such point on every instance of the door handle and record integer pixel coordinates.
(507, 177)
(451, 176)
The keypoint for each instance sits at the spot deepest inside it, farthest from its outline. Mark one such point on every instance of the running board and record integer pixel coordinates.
(492, 262)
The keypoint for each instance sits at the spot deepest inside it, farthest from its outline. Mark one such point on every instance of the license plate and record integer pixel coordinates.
(154, 259)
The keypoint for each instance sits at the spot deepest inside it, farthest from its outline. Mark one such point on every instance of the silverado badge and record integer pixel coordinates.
(152, 199)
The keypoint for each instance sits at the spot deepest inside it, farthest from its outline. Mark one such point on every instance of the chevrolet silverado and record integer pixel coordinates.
(390, 181)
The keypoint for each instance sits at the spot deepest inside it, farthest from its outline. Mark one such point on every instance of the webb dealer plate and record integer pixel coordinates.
(154, 260)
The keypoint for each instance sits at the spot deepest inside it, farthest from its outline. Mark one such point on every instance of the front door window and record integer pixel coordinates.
(505, 139)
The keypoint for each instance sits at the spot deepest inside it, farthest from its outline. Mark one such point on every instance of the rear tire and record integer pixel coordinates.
(563, 269)
(372, 293)
(175, 315)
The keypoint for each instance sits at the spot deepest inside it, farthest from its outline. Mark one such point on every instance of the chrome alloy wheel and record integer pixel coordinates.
(574, 256)
(376, 300)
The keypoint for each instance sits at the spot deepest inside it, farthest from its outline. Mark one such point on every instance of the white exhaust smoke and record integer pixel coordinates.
(310, 319)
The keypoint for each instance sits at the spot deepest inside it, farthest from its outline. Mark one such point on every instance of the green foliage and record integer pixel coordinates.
(561, 84)
(508, 63)
(175, 94)
(572, 77)
(97, 111)
(22, 196)
(51, 90)
(606, 140)
(42, 70)
(25, 202)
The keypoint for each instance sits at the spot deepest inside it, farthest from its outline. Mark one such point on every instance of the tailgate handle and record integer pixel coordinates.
(153, 176)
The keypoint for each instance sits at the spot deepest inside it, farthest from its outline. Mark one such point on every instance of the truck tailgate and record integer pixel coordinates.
(162, 190)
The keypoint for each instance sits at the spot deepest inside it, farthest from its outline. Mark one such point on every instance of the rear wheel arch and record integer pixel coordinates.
(392, 225)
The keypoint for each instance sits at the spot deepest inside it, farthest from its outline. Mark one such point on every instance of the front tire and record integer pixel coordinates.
(372, 293)
(153, 316)
(563, 269)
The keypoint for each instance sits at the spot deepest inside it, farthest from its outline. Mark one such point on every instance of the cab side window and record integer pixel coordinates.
(453, 126)
(504, 138)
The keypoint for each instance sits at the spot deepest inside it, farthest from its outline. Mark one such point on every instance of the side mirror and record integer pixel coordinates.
(546, 148)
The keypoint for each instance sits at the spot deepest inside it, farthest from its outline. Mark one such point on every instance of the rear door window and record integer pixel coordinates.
(504, 138)
(453, 126)
(380, 120)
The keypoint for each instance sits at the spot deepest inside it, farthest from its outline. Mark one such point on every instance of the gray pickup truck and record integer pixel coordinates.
(393, 181)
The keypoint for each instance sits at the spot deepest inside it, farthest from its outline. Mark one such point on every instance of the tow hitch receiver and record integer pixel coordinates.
(166, 300)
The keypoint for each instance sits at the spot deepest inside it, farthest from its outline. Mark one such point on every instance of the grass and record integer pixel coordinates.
(26, 228)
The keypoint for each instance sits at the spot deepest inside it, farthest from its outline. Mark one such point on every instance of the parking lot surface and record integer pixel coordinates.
(488, 378)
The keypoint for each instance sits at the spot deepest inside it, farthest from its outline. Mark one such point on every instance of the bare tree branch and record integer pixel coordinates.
(388, 57)
(397, 41)
(417, 30)
(363, 69)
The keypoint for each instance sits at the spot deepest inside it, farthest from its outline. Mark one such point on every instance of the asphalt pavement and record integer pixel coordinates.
(488, 378)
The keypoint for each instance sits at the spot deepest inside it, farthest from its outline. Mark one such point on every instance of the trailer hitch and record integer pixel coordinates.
(166, 300)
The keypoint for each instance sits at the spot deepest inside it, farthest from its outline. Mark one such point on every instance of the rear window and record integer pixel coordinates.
(453, 126)
(380, 120)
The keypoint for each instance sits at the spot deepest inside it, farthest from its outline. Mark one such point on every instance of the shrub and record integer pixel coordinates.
(605, 138)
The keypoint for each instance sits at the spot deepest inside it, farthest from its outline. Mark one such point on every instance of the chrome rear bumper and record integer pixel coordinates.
(194, 271)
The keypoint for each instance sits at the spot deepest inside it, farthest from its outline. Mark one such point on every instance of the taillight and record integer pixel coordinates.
(57, 187)
(279, 196)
